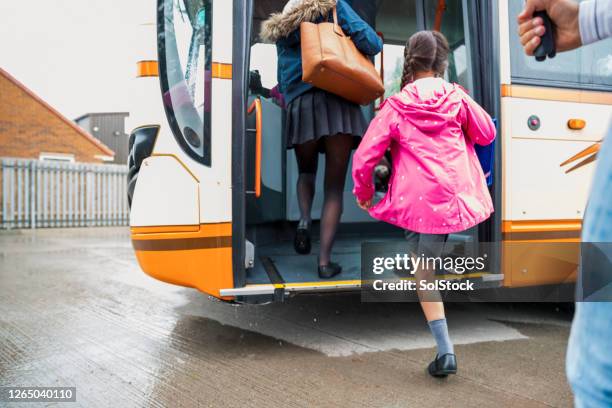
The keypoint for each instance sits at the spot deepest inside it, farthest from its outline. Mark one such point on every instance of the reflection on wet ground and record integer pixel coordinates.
(75, 310)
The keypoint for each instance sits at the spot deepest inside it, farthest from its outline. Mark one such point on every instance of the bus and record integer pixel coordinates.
(213, 200)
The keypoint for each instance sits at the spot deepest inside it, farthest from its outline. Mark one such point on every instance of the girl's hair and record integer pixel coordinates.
(425, 51)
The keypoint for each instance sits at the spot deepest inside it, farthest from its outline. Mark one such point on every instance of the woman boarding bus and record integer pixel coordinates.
(318, 121)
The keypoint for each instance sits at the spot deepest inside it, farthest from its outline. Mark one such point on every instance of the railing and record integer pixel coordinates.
(47, 194)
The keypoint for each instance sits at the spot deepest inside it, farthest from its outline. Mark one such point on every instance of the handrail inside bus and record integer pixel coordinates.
(382, 71)
(382, 65)
(256, 106)
(439, 13)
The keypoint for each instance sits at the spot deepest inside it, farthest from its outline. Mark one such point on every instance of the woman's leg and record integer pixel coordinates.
(307, 156)
(337, 154)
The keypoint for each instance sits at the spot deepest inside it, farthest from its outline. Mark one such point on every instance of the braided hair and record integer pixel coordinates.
(425, 51)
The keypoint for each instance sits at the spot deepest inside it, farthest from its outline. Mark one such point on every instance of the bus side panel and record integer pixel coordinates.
(529, 263)
(200, 258)
(166, 194)
(543, 202)
(537, 187)
(170, 242)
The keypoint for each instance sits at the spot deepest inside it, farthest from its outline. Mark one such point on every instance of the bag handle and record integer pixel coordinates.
(337, 28)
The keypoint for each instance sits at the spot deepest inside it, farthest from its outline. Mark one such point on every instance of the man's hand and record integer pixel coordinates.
(365, 205)
(564, 15)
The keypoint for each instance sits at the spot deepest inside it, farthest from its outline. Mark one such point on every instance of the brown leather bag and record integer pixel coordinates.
(332, 62)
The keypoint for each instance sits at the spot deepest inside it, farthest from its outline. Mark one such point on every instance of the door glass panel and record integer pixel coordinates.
(397, 20)
(394, 67)
(184, 46)
(447, 16)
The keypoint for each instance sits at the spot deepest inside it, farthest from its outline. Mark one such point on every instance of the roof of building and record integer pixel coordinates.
(101, 146)
(85, 115)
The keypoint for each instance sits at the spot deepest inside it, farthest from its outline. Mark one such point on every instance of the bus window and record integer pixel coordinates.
(397, 20)
(394, 67)
(447, 17)
(185, 73)
(264, 61)
(588, 67)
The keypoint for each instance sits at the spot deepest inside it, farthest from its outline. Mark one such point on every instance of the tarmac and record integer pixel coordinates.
(76, 310)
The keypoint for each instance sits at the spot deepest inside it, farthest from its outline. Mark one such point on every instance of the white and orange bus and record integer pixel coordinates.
(213, 196)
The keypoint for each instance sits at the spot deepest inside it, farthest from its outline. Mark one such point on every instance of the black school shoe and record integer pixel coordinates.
(443, 366)
(302, 241)
(329, 271)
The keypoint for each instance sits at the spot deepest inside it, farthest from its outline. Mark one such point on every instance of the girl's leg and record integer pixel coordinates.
(432, 305)
(430, 300)
(307, 156)
(433, 310)
(337, 154)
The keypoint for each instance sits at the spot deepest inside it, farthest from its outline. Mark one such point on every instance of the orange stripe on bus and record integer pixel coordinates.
(147, 69)
(221, 71)
(177, 232)
(200, 259)
(187, 244)
(556, 94)
(164, 229)
(541, 225)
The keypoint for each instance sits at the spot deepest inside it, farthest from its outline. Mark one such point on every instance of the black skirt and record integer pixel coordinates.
(317, 114)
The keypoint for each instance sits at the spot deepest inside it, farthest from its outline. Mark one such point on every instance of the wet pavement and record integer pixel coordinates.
(75, 310)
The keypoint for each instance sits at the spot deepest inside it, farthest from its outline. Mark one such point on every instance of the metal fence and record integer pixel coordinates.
(46, 194)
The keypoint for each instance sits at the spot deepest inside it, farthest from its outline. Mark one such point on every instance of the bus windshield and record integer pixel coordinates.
(184, 47)
(588, 67)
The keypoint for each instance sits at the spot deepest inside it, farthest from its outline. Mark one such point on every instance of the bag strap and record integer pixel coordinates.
(337, 28)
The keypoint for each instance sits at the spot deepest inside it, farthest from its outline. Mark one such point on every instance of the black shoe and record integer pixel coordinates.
(443, 366)
(329, 271)
(301, 242)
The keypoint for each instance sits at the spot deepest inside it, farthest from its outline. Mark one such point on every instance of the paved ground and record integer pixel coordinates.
(75, 310)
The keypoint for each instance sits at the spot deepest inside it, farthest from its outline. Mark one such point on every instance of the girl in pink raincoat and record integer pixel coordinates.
(437, 185)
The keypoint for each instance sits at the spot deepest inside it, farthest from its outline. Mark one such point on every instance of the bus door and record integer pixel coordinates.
(273, 268)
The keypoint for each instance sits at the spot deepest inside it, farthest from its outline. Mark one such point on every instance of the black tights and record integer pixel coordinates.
(337, 154)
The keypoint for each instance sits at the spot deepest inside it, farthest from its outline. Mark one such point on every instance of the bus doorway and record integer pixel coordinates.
(272, 207)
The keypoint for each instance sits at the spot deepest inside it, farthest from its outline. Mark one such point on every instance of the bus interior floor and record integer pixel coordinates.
(295, 268)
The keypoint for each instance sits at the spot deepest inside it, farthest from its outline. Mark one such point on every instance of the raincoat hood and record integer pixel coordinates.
(437, 185)
(433, 100)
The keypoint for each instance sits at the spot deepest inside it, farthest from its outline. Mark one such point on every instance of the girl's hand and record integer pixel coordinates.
(365, 205)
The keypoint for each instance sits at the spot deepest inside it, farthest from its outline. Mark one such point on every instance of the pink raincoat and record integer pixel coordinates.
(437, 185)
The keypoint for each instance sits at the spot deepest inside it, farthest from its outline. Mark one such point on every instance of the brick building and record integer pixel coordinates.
(31, 128)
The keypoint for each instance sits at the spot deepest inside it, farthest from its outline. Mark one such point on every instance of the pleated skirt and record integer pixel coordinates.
(317, 114)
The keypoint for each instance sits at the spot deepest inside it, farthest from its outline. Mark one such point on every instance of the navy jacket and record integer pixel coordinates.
(290, 53)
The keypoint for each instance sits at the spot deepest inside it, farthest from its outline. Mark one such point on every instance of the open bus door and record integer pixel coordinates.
(264, 205)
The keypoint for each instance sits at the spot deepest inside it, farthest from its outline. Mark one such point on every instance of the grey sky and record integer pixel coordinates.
(78, 55)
